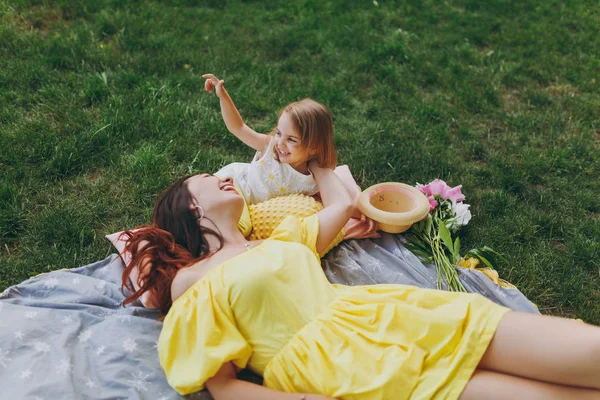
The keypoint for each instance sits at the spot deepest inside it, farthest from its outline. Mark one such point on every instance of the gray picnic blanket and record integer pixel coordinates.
(386, 260)
(65, 335)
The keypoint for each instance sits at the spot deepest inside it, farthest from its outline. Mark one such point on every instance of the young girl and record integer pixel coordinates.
(304, 132)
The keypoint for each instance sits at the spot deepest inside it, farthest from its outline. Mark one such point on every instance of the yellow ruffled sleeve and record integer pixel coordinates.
(300, 230)
(199, 335)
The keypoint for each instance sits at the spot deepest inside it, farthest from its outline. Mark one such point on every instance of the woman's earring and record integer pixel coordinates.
(201, 211)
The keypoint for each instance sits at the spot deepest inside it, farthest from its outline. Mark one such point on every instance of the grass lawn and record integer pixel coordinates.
(102, 105)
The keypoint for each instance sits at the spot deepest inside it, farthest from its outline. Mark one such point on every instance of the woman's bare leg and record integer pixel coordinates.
(543, 348)
(491, 385)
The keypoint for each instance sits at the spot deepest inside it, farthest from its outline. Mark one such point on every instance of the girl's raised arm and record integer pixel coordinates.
(233, 119)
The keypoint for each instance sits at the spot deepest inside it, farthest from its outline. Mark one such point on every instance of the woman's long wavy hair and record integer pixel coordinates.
(173, 241)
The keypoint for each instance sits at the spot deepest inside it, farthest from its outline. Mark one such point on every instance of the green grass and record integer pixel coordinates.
(102, 105)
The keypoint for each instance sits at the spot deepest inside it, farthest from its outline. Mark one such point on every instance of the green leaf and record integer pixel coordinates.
(428, 225)
(421, 250)
(446, 236)
(416, 229)
(481, 256)
(426, 256)
(495, 254)
(487, 262)
(456, 251)
(490, 257)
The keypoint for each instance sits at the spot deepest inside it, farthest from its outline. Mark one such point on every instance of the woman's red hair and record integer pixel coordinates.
(175, 240)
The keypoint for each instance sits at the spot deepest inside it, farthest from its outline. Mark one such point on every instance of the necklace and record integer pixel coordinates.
(247, 245)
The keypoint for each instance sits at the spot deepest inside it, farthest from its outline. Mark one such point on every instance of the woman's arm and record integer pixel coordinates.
(343, 172)
(233, 119)
(338, 204)
(225, 386)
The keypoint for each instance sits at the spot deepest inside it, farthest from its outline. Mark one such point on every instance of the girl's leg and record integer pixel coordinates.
(496, 386)
(543, 348)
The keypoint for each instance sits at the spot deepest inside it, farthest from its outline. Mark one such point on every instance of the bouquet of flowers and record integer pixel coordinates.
(435, 239)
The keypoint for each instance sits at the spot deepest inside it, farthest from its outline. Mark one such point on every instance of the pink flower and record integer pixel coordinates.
(440, 188)
(432, 203)
(454, 194)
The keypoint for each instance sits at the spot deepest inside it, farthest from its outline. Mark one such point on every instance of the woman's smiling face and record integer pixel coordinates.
(214, 194)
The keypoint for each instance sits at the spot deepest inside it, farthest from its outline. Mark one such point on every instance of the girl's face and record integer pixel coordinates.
(288, 145)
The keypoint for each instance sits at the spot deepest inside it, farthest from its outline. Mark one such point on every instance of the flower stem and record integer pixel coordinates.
(445, 267)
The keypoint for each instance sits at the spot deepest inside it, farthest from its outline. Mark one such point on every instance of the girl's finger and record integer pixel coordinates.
(212, 78)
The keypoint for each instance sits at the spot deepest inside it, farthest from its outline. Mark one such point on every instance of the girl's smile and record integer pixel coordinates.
(288, 144)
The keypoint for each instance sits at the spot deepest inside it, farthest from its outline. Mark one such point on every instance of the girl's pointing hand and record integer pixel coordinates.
(213, 82)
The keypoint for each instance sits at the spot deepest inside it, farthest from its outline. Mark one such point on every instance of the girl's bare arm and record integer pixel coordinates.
(233, 120)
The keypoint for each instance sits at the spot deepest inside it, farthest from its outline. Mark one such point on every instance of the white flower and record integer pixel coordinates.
(25, 374)
(139, 381)
(64, 367)
(51, 283)
(85, 336)
(129, 345)
(90, 383)
(463, 215)
(41, 346)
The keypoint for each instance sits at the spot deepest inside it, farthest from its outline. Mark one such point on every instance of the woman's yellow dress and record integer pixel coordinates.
(272, 309)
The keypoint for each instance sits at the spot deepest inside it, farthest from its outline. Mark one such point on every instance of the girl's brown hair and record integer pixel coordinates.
(314, 123)
(173, 241)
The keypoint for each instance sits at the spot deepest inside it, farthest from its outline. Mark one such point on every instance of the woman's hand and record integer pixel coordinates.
(225, 385)
(213, 82)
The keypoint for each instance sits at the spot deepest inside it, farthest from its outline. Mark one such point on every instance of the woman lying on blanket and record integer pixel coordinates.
(266, 305)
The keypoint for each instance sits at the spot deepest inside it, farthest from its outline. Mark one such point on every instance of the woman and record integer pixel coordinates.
(266, 305)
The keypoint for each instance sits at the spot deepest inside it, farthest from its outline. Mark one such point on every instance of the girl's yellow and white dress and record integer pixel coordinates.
(265, 177)
(271, 309)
